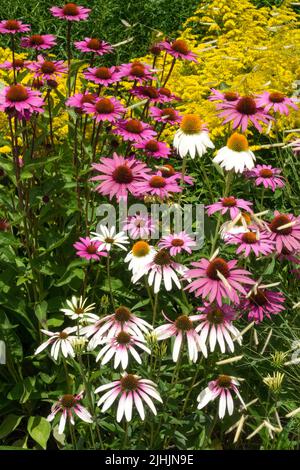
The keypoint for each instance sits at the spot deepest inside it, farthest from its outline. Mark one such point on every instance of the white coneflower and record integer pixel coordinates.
(236, 154)
(192, 137)
(140, 254)
(60, 342)
(109, 238)
(78, 310)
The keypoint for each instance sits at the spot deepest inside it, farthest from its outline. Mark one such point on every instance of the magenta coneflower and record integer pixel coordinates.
(86, 248)
(105, 109)
(231, 204)
(157, 185)
(289, 255)
(139, 226)
(136, 71)
(48, 69)
(134, 390)
(154, 148)
(94, 45)
(134, 130)
(17, 64)
(224, 96)
(22, 100)
(179, 49)
(102, 75)
(149, 93)
(166, 95)
(266, 176)
(243, 112)
(13, 27)
(275, 101)
(217, 279)
(216, 327)
(39, 41)
(78, 101)
(285, 231)
(253, 241)
(168, 171)
(70, 12)
(119, 176)
(68, 405)
(177, 243)
(262, 303)
(165, 115)
(120, 346)
(222, 387)
(182, 329)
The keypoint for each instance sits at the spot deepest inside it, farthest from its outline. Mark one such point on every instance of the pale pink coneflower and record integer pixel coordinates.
(39, 42)
(70, 12)
(231, 204)
(68, 405)
(177, 243)
(139, 226)
(60, 342)
(94, 45)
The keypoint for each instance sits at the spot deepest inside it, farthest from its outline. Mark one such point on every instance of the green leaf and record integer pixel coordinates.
(39, 429)
(10, 423)
(41, 311)
(22, 390)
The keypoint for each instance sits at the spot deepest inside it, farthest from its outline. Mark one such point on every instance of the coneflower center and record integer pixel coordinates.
(180, 46)
(91, 249)
(183, 323)
(246, 105)
(215, 316)
(103, 72)
(157, 182)
(68, 401)
(177, 242)
(249, 238)
(123, 338)
(94, 44)
(162, 258)
(12, 25)
(278, 222)
(129, 382)
(63, 335)
(168, 170)
(70, 9)
(258, 298)
(191, 124)
(36, 40)
(151, 92)
(134, 126)
(140, 249)
(123, 174)
(79, 310)
(230, 96)
(137, 69)
(122, 314)
(224, 381)
(229, 201)
(237, 142)
(215, 266)
(165, 92)
(17, 93)
(88, 98)
(169, 114)
(155, 49)
(152, 146)
(276, 97)
(48, 67)
(18, 63)
(104, 106)
(266, 173)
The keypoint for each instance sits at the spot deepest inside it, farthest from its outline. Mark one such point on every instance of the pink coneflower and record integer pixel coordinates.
(13, 27)
(134, 130)
(139, 226)
(165, 115)
(289, 255)
(223, 96)
(182, 328)
(68, 405)
(119, 176)
(267, 176)
(262, 303)
(136, 71)
(110, 325)
(48, 69)
(78, 101)
(87, 249)
(166, 95)
(70, 12)
(60, 342)
(285, 231)
(161, 268)
(94, 45)
(179, 49)
(105, 109)
(217, 279)
(120, 346)
(243, 112)
(157, 185)
(253, 241)
(177, 243)
(222, 387)
(275, 101)
(22, 100)
(17, 64)
(295, 146)
(149, 93)
(168, 171)
(231, 204)
(154, 148)
(39, 41)
(104, 76)
(216, 326)
(133, 390)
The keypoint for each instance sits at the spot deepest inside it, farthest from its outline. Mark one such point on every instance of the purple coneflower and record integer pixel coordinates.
(285, 231)
(275, 101)
(104, 76)
(22, 100)
(262, 302)
(17, 64)
(13, 27)
(39, 42)
(139, 226)
(105, 109)
(266, 176)
(78, 101)
(231, 204)
(86, 248)
(177, 243)
(134, 130)
(68, 405)
(252, 241)
(70, 12)
(153, 148)
(157, 185)
(94, 45)
(136, 71)
(48, 69)
(179, 49)
(165, 115)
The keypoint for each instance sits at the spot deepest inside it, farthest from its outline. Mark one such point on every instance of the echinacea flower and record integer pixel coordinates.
(262, 302)
(139, 226)
(275, 101)
(68, 405)
(140, 255)
(216, 327)
(166, 95)
(86, 248)
(222, 387)
(165, 115)
(13, 27)
(168, 171)
(104, 76)
(94, 45)
(70, 12)
(109, 238)
(39, 41)
(17, 64)
(285, 231)
(192, 138)
(266, 176)
(78, 310)
(217, 279)
(78, 101)
(182, 329)
(153, 148)
(22, 100)
(133, 390)
(243, 112)
(236, 155)
(105, 109)
(177, 243)
(157, 185)
(295, 146)
(231, 204)
(119, 176)
(60, 342)
(48, 69)
(223, 96)
(136, 71)
(252, 241)
(147, 92)
(119, 347)
(134, 130)
(179, 49)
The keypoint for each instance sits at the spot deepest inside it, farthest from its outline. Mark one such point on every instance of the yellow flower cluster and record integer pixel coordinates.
(239, 46)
